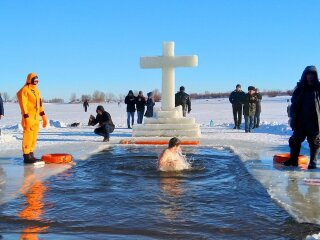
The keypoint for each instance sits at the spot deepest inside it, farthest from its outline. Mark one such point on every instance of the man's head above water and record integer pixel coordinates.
(174, 142)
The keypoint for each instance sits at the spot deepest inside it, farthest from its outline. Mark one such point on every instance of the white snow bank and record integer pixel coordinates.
(5, 138)
(57, 124)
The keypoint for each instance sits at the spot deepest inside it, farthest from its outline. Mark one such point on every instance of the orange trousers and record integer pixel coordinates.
(30, 136)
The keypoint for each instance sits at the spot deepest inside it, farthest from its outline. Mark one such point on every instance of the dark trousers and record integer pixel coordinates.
(130, 115)
(237, 114)
(140, 116)
(256, 120)
(248, 122)
(295, 145)
(104, 130)
(85, 108)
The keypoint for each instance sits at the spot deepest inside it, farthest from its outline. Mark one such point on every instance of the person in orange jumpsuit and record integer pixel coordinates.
(31, 109)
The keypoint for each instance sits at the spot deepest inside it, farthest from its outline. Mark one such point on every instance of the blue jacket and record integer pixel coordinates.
(1, 106)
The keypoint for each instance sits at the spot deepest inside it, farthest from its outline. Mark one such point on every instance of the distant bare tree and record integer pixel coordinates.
(73, 98)
(5, 97)
(121, 97)
(14, 98)
(56, 100)
(86, 97)
(98, 96)
(110, 97)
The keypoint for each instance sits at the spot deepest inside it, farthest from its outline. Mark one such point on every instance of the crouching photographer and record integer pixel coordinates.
(106, 125)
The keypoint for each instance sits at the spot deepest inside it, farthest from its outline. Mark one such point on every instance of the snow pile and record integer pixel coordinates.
(16, 127)
(4, 138)
(57, 124)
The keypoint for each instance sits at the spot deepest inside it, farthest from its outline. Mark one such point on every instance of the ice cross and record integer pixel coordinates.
(168, 62)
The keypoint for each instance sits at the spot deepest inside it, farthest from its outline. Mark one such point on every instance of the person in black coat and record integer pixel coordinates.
(258, 109)
(249, 108)
(183, 99)
(150, 104)
(106, 125)
(235, 99)
(140, 104)
(85, 105)
(1, 110)
(131, 108)
(305, 117)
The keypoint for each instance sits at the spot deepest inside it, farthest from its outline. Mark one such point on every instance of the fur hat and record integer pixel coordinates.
(251, 88)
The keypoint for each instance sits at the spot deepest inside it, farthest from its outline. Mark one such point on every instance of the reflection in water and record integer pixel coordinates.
(305, 198)
(33, 190)
(171, 189)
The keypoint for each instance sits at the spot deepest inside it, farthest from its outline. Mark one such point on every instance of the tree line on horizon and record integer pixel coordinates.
(101, 97)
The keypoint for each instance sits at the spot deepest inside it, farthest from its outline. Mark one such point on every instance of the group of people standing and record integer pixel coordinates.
(138, 103)
(248, 104)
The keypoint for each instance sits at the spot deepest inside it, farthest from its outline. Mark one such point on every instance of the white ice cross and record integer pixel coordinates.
(168, 62)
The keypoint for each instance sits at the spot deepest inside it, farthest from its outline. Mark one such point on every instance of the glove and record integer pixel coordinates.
(44, 121)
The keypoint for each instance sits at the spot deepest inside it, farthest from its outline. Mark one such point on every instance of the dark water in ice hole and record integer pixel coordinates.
(119, 194)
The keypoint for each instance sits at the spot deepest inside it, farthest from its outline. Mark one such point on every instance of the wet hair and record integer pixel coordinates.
(174, 142)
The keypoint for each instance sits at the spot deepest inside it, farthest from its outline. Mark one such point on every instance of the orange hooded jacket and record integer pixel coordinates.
(30, 101)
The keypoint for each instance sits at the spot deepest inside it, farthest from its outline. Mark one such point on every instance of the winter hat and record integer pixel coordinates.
(251, 88)
(182, 88)
(310, 69)
(149, 94)
(130, 92)
(140, 92)
(100, 108)
(238, 86)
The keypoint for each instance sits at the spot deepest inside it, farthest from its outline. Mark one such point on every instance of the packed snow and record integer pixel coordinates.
(284, 184)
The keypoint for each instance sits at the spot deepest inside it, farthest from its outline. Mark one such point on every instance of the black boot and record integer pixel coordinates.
(35, 159)
(294, 152)
(314, 151)
(105, 139)
(27, 159)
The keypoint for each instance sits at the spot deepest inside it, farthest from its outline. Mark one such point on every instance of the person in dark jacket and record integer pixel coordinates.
(150, 104)
(1, 110)
(106, 125)
(305, 117)
(249, 108)
(140, 104)
(183, 99)
(131, 108)
(235, 99)
(1, 107)
(85, 105)
(256, 121)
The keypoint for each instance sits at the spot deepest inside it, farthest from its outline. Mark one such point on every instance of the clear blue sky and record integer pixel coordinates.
(78, 46)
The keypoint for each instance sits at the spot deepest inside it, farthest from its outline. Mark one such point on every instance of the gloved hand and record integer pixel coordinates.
(44, 121)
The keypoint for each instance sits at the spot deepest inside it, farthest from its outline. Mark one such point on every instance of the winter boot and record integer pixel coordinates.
(294, 152)
(313, 158)
(105, 139)
(32, 156)
(314, 151)
(27, 159)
